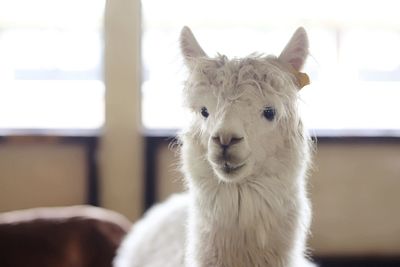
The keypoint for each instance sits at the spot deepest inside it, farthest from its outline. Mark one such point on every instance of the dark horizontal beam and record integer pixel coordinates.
(357, 261)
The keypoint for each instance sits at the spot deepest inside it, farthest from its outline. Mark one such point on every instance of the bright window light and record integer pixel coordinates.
(51, 64)
(354, 64)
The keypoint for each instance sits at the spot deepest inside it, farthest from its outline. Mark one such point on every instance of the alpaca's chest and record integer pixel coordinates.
(246, 211)
(248, 233)
(235, 247)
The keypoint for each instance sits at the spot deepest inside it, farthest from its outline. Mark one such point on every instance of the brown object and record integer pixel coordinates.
(79, 236)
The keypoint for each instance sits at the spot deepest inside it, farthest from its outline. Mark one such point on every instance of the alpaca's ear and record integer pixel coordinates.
(296, 51)
(190, 48)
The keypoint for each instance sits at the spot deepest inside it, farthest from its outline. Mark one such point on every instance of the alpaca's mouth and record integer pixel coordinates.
(229, 169)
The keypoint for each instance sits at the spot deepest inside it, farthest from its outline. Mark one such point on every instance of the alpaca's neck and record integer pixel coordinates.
(250, 224)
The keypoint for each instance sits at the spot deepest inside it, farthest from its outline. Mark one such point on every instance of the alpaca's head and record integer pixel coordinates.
(245, 118)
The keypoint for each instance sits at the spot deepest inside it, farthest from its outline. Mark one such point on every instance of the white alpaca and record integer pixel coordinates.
(244, 157)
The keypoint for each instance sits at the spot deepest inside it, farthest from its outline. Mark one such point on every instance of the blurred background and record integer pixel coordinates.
(90, 100)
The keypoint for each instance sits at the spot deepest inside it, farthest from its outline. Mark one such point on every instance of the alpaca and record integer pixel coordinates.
(244, 156)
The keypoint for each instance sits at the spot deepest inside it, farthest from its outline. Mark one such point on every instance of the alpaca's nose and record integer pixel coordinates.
(226, 140)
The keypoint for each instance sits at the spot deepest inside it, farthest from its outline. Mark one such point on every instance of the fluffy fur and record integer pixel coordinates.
(246, 204)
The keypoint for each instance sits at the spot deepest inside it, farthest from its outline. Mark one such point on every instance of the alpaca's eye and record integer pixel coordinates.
(204, 112)
(269, 113)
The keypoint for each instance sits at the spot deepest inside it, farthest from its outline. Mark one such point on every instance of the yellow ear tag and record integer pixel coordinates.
(302, 79)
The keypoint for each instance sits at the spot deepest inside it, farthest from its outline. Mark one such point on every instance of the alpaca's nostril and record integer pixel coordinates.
(236, 140)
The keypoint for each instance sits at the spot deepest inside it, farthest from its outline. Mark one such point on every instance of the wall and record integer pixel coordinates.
(355, 193)
(41, 174)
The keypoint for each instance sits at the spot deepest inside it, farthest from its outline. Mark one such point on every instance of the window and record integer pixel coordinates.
(354, 64)
(51, 64)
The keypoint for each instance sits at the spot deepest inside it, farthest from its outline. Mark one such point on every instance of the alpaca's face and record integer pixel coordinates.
(244, 115)
(245, 119)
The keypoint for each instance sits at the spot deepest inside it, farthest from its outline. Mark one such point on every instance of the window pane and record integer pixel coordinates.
(51, 64)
